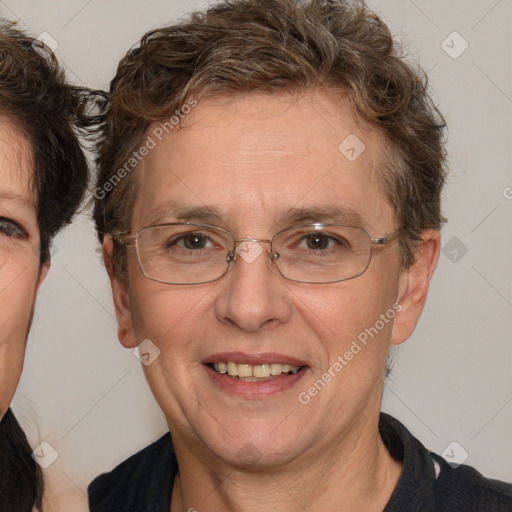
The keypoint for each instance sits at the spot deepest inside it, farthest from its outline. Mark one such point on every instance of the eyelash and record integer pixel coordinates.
(11, 228)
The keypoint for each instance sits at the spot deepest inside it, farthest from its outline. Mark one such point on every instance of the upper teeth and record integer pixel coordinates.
(258, 370)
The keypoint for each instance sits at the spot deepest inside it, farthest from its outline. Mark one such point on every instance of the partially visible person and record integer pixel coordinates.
(43, 177)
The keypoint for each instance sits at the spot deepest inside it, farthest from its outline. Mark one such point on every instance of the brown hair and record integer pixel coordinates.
(272, 46)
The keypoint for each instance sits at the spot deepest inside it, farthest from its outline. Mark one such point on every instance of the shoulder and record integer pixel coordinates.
(464, 488)
(142, 478)
(428, 482)
(59, 496)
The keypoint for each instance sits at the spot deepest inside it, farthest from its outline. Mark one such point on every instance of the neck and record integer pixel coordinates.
(357, 473)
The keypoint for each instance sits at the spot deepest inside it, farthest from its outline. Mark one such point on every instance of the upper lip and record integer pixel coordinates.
(253, 359)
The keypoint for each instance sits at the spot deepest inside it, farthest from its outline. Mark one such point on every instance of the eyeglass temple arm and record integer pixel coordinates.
(386, 240)
(123, 237)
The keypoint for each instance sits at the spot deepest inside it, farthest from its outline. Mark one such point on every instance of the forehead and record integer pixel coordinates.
(255, 158)
(15, 162)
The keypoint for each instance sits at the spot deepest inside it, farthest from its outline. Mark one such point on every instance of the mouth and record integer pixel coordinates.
(254, 373)
(253, 376)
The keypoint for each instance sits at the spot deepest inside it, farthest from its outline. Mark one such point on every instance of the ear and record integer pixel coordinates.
(121, 297)
(43, 272)
(413, 286)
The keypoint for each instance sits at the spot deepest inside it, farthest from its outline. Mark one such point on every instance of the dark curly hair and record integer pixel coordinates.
(273, 46)
(50, 113)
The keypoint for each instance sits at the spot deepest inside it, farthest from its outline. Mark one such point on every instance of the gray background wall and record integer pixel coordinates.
(86, 396)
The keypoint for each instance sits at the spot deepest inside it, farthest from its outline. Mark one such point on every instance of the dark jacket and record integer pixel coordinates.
(143, 483)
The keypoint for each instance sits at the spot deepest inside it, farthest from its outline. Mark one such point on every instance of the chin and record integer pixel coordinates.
(263, 448)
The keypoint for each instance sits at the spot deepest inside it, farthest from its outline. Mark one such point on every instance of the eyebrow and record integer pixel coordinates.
(201, 214)
(12, 196)
(210, 215)
(323, 214)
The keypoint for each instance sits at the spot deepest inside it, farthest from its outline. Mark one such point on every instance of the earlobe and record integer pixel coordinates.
(121, 296)
(43, 272)
(413, 287)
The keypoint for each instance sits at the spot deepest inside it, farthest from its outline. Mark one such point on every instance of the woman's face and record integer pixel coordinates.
(20, 272)
(251, 166)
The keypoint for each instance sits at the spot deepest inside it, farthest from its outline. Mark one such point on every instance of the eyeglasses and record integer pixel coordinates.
(185, 253)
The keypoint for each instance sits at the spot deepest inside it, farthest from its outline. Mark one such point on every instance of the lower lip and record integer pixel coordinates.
(261, 389)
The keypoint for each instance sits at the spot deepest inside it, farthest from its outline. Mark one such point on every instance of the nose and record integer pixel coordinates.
(254, 296)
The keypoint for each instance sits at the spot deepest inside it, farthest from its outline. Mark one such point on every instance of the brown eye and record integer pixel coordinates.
(190, 241)
(194, 241)
(317, 241)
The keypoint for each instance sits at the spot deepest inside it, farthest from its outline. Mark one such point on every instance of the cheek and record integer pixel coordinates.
(171, 317)
(11, 364)
(174, 320)
(359, 310)
(17, 298)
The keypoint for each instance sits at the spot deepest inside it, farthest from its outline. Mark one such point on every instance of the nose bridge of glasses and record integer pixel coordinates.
(239, 241)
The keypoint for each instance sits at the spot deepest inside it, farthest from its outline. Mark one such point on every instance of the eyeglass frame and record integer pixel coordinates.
(127, 239)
